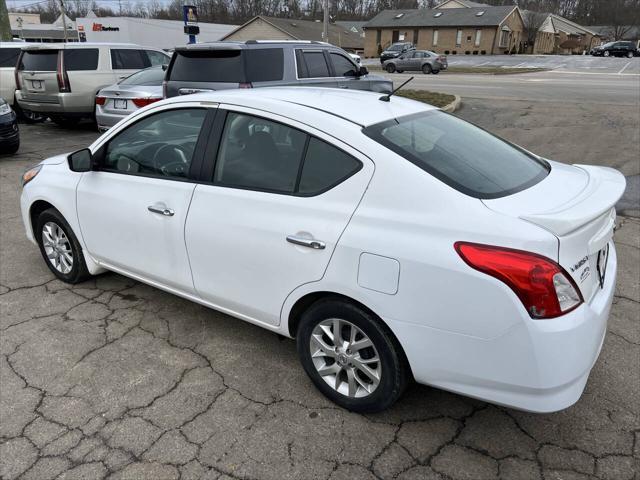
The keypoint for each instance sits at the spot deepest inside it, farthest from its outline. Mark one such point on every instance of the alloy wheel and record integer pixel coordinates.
(57, 247)
(345, 357)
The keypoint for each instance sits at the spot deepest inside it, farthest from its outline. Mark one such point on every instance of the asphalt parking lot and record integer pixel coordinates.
(112, 378)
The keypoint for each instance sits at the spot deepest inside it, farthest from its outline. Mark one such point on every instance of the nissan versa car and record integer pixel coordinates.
(391, 240)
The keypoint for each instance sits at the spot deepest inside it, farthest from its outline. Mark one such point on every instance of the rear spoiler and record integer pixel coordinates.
(602, 192)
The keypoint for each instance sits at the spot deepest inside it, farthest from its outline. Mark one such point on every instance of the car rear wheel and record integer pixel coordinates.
(60, 248)
(606, 53)
(629, 54)
(350, 356)
(390, 68)
(426, 69)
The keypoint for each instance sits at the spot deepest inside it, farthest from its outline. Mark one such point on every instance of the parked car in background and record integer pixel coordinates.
(395, 50)
(61, 80)
(115, 102)
(423, 61)
(356, 58)
(391, 240)
(9, 53)
(213, 66)
(9, 131)
(616, 49)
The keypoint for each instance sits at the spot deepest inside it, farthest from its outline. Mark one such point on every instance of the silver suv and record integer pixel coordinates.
(262, 63)
(61, 80)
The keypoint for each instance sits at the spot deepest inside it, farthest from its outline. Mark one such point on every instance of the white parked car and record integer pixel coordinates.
(392, 240)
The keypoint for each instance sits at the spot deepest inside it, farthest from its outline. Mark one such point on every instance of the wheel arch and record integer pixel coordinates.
(36, 209)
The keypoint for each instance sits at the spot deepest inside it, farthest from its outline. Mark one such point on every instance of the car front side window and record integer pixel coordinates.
(342, 66)
(160, 145)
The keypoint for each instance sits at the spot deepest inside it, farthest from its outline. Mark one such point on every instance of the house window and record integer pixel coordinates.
(504, 38)
(478, 36)
(435, 38)
(459, 38)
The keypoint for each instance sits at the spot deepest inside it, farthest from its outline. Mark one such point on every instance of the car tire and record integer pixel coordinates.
(370, 386)
(606, 53)
(390, 68)
(58, 244)
(629, 54)
(13, 148)
(426, 69)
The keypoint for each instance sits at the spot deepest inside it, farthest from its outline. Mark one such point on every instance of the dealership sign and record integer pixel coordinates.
(98, 27)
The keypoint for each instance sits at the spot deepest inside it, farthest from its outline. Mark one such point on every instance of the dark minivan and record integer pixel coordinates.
(205, 67)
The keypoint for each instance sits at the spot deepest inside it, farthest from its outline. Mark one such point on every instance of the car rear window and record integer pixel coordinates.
(43, 60)
(460, 154)
(151, 77)
(81, 59)
(9, 57)
(230, 66)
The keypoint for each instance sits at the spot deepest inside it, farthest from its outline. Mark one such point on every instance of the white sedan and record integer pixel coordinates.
(391, 240)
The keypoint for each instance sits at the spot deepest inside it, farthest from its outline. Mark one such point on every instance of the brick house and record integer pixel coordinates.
(557, 35)
(272, 28)
(449, 28)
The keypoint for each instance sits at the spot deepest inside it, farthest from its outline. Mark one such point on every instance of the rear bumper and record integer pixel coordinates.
(60, 104)
(107, 120)
(538, 365)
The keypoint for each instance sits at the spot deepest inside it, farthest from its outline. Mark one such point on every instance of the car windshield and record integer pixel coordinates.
(610, 44)
(148, 77)
(460, 154)
(396, 48)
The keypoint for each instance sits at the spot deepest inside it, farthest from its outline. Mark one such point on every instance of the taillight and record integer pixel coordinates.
(100, 100)
(143, 102)
(165, 89)
(61, 74)
(245, 85)
(544, 287)
(17, 78)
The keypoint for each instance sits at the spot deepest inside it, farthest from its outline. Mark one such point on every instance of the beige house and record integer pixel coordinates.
(557, 35)
(272, 28)
(455, 27)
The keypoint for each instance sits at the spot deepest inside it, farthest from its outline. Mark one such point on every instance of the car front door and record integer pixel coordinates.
(132, 210)
(279, 197)
(346, 73)
(416, 61)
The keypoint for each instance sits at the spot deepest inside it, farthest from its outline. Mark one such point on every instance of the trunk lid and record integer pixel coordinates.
(576, 204)
(37, 74)
(119, 98)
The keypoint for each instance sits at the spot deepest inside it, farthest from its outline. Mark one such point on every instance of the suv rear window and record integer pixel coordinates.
(80, 59)
(39, 60)
(9, 57)
(461, 155)
(232, 66)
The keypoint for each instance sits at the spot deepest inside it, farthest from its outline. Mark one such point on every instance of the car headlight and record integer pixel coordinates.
(5, 108)
(30, 174)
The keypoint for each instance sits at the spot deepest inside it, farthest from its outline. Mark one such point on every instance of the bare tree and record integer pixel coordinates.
(532, 23)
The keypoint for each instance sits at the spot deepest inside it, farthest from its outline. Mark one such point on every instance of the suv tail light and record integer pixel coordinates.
(61, 74)
(143, 102)
(245, 85)
(165, 89)
(100, 100)
(544, 287)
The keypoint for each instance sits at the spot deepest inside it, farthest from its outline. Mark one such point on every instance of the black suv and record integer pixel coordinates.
(395, 50)
(204, 67)
(9, 134)
(616, 49)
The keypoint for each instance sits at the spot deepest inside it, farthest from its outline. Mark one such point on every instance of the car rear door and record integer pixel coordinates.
(267, 221)
(37, 74)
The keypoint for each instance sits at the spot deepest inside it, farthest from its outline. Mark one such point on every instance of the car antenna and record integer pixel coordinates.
(387, 97)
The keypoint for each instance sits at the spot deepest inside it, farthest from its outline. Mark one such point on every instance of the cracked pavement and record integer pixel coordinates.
(115, 379)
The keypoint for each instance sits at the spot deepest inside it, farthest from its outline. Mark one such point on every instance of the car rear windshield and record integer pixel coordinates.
(151, 77)
(42, 60)
(231, 66)
(460, 154)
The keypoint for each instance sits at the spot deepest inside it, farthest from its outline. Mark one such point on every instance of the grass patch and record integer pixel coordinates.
(432, 98)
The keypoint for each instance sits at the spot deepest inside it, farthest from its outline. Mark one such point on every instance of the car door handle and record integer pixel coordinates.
(306, 242)
(167, 212)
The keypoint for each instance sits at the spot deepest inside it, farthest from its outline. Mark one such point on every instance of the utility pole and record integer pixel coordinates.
(64, 21)
(325, 21)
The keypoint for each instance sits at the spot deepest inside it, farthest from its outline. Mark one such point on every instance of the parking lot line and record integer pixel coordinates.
(624, 68)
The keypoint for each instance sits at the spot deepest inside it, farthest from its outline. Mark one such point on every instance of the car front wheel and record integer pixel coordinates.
(60, 248)
(351, 357)
(390, 68)
(606, 53)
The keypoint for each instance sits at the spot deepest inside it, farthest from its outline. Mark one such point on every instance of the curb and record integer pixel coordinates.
(453, 106)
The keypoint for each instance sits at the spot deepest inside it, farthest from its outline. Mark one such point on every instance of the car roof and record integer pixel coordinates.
(58, 46)
(238, 45)
(356, 106)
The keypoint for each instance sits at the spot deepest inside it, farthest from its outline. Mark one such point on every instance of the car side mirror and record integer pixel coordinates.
(164, 67)
(80, 161)
(363, 71)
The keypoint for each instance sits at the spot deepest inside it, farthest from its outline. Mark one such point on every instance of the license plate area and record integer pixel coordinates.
(119, 104)
(36, 84)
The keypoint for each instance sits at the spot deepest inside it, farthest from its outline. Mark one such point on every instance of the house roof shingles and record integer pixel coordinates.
(451, 17)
